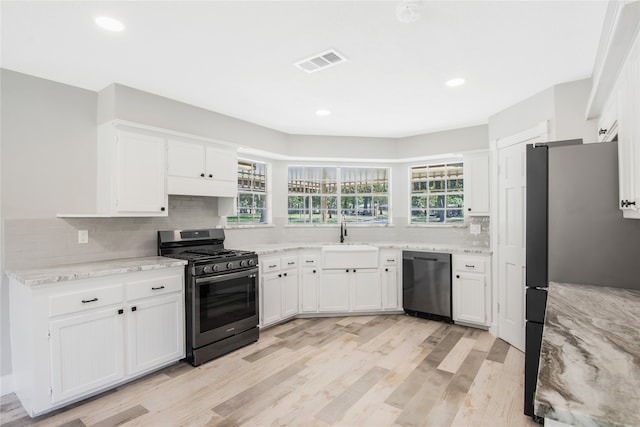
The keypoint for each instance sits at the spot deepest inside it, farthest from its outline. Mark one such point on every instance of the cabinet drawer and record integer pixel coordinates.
(156, 286)
(389, 259)
(86, 299)
(470, 264)
(270, 264)
(289, 262)
(309, 260)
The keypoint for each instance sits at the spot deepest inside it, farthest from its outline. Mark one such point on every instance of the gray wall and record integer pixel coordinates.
(563, 106)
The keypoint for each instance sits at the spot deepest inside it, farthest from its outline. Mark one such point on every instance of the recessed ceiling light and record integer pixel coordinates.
(455, 82)
(110, 24)
(323, 112)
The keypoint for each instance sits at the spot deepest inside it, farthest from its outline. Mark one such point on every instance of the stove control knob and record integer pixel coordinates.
(229, 265)
(252, 262)
(243, 263)
(215, 267)
(208, 269)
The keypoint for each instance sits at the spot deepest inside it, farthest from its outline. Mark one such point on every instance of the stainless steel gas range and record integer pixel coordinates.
(221, 292)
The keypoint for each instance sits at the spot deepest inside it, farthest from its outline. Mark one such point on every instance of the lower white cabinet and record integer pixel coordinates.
(390, 279)
(350, 290)
(309, 281)
(86, 353)
(471, 290)
(334, 291)
(75, 338)
(279, 288)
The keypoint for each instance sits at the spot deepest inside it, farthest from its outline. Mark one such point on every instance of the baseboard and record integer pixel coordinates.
(6, 384)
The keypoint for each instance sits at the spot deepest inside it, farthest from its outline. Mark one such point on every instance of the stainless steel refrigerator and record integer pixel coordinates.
(575, 232)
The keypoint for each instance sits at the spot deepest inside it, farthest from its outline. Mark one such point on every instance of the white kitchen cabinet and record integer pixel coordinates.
(471, 290)
(200, 168)
(131, 172)
(476, 184)
(309, 281)
(608, 121)
(155, 331)
(334, 291)
(628, 96)
(389, 280)
(86, 352)
(75, 338)
(279, 284)
(365, 289)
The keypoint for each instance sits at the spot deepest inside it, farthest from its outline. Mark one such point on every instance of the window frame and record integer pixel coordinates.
(445, 209)
(243, 191)
(337, 207)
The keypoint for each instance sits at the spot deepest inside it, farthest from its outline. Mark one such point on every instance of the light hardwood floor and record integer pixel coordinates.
(341, 371)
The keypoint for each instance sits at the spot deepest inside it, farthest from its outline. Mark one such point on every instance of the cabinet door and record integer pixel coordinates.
(365, 285)
(476, 184)
(310, 278)
(334, 291)
(469, 298)
(86, 352)
(628, 94)
(271, 297)
(222, 165)
(155, 328)
(186, 159)
(141, 181)
(289, 293)
(389, 278)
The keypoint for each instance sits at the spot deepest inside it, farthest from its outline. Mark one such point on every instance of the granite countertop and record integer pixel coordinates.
(86, 270)
(590, 357)
(449, 248)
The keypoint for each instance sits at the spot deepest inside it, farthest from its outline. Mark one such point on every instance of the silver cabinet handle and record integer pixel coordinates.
(85, 301)
(470, 266)
(157, 288)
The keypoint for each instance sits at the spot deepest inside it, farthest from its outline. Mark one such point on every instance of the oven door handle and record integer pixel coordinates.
(244, 273)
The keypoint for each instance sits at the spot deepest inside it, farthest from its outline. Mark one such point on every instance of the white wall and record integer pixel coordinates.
(452, 141)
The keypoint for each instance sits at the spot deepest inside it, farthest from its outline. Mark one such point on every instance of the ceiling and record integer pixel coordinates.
(236, 57)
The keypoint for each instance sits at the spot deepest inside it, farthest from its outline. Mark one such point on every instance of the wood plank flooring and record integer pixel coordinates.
(341, 371)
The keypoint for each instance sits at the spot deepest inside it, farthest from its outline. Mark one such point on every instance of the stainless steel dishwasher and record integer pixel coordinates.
(426, 284)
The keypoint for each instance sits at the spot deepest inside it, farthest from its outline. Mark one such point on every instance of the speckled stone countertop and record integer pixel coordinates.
(590, 357)
(86, 270)
(277, 248)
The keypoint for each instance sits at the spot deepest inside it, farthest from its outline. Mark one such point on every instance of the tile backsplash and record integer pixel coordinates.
(53, 241)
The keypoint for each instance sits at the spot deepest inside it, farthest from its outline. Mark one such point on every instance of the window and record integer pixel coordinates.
(437, 194)
(251, 203)
(327, 195)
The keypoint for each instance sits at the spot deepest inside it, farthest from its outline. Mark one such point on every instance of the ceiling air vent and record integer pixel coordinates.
(318, 62)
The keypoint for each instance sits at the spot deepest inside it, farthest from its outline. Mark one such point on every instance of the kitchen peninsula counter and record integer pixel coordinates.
(590, 357)
(446, 248)
(87, 270)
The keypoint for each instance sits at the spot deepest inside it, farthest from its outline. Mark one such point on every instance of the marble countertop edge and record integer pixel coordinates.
(88, 270)
(269, 249)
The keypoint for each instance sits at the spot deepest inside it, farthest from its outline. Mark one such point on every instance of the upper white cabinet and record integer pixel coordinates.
(608, 121)
(476, 184)
(198, 168)
(131, 172)
(628, 97)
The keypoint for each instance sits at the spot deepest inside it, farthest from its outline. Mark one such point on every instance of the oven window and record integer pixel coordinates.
(222, 303)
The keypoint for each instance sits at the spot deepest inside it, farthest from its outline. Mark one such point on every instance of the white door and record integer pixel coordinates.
(156, 332)
(141, 185)
(186, 159)
(334, 291)
(365, 286)
(271, 298)
(86, 352)
(289, 293)
(511, 224)
(469, 293)
(389, 282)
(309, 288)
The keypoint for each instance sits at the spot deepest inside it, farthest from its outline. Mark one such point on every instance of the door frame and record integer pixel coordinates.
(540, 133)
